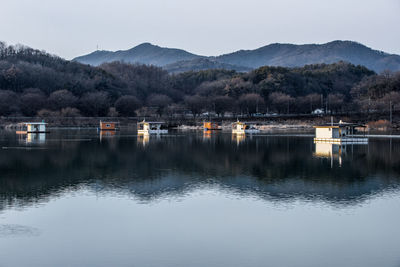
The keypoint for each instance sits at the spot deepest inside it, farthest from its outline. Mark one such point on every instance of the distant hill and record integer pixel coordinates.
(285, 55)
(289, 55)
(145, 53)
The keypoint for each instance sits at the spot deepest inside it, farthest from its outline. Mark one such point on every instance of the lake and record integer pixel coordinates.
(75, 198)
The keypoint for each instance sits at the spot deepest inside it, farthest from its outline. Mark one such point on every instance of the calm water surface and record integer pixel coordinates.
(71, 198)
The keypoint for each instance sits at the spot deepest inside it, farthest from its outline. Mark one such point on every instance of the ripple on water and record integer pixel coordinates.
(16, 230)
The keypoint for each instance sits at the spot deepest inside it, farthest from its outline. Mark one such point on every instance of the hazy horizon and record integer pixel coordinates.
(74, 28)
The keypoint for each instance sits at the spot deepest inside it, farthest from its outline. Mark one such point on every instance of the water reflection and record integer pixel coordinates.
(143, 139)
(238, 138)
(207, 134)
(332, 151)
(159, 200)
(15, 230)
(273, 168)
(32, 138)
(107, 134)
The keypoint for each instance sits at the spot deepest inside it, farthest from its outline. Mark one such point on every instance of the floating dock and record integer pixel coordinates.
(346, 140)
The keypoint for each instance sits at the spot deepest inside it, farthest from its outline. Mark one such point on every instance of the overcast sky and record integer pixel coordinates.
(70, 28)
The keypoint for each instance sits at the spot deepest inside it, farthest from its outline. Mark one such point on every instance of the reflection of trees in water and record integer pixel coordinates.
(277, 168)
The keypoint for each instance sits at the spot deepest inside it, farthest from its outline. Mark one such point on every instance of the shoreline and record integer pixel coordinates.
(263, 124)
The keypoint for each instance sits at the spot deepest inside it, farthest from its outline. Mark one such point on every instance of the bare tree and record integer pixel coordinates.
(281, 101)
(251, 103)
(95, 104)
(127, 105)
(46, 113)
(335, 102)
(112, 112)
(237, 86)
(222, 104)
(8, 102)
(313, 100)
(70, 112)
(175, 110)
(159, 101)
(62, 99)
(195, 104)
(32, 101)
(209, 89)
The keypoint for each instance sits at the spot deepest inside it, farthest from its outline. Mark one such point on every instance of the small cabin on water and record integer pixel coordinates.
(241, 128)
(145, 127)
(238, 127)
(31, 127)
(339, 133)
(108, 126)
(210, 126)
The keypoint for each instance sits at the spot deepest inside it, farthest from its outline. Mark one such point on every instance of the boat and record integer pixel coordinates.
(145, 127)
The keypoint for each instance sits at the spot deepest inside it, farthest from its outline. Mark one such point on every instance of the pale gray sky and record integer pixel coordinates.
(70, 28)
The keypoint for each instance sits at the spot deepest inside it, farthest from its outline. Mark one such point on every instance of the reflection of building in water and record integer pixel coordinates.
(207, 135)
(107, 134)
(32, 132)
(239, 138)
(329, 150)
(334, 151)
(33, 138)
(143, 139)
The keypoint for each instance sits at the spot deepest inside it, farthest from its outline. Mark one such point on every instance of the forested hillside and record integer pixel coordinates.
(34, 83)
(145, 53)
(202, 64)
(290, 55)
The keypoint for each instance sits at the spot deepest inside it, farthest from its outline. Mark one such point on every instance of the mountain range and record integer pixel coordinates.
(285, 55)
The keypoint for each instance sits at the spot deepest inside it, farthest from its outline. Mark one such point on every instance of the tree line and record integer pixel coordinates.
(35, 83)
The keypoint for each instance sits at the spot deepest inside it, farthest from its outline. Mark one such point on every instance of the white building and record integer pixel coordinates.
(32, 127)
(339, 133)
(36, 127)
(241, 128)
(145, 127)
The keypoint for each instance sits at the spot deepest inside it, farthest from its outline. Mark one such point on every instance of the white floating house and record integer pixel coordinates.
(145, 127)
(241, 128)
(32, 127)
(339, 133)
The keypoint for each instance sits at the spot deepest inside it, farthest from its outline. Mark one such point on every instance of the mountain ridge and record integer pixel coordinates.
(275, 54)
(145, 53)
